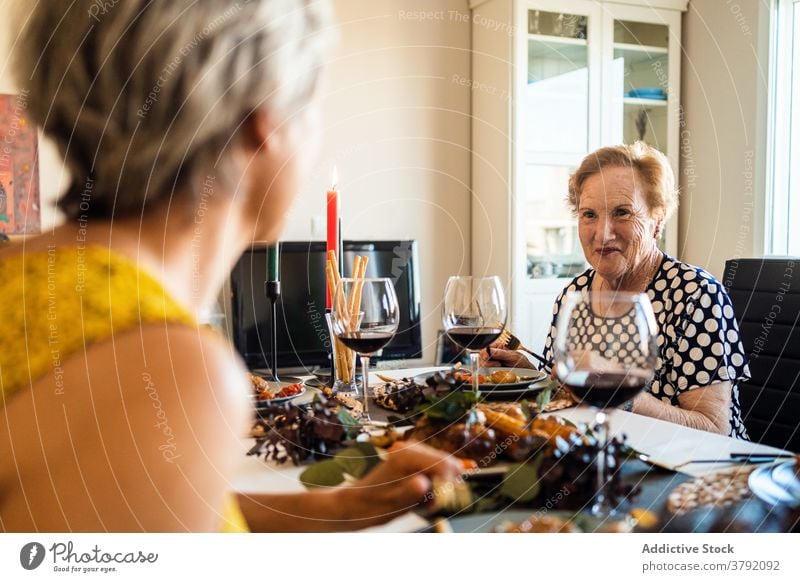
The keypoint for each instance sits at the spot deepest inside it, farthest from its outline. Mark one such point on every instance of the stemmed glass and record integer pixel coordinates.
(474, 315)
(365, 316)
(605, 353)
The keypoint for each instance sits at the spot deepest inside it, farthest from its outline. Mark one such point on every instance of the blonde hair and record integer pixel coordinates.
(652, 166)
(144, 96)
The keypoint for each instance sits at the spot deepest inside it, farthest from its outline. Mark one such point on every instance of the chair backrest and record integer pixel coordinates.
(766, 300)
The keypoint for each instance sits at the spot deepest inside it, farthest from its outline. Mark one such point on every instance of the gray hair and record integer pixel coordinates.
(142, 95)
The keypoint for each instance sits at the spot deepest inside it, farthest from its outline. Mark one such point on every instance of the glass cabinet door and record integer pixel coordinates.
(557, 91)
(640, 83)
(556, 137)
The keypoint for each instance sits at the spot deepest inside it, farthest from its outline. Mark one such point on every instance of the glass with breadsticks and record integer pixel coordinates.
(365, 315)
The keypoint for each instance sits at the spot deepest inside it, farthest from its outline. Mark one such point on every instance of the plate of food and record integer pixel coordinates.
(268, 392)
(507, 380)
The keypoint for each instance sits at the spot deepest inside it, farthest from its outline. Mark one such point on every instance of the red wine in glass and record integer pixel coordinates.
(590, 361)
(605, 390)
(365, 342)
(474, 338)
(365, 316)
(474, 315)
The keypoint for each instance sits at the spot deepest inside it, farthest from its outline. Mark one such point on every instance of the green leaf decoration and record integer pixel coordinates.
(546, 394)
(357, 460)
(521, 483)
(351, 425)
(449, 407)
(327, 473)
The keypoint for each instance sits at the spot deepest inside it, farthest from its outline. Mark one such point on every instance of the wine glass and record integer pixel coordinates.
(474, 315)
(605, 353)
(365, 316)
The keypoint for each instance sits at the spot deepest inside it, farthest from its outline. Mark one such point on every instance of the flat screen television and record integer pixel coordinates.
(303, 338)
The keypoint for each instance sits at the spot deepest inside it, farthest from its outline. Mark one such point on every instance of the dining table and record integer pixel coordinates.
(664, 461)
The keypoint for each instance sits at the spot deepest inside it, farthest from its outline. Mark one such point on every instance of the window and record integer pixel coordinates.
(783, 198)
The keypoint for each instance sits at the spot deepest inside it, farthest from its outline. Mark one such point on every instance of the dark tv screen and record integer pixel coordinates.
(303, 338)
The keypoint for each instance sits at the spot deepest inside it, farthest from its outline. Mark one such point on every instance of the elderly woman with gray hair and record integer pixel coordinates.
(622, 197)
(119, 412)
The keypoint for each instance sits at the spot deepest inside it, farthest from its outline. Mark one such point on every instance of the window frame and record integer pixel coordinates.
(783, 151)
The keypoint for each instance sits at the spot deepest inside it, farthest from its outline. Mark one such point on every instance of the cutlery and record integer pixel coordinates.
(742, 458)
(754, 459)
(761, 457)
(509, 341)
(651, 461)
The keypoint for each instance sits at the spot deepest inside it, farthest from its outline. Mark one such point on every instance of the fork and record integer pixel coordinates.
(509, 341)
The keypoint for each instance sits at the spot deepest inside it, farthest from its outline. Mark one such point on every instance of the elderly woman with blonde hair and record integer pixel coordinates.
(186, 127)
(622, 196)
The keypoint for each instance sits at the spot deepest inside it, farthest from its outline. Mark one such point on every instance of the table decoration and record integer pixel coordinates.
(364, 317)
(333, 224)
(343, 358)
(272, 288)
(290, 433)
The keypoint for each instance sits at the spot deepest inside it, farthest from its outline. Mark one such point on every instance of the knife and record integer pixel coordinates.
(760, 457)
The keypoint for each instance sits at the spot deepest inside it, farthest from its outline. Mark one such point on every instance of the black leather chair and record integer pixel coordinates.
(766, 300)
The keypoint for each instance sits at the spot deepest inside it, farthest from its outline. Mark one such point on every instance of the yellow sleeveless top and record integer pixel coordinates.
(56, 302)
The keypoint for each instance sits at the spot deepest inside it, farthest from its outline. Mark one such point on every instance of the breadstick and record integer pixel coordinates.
(359, 287)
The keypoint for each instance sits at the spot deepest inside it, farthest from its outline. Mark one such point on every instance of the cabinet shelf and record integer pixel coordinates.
(638, 53)
(558, 40)
(542, 46)
(638, 101)
(640, 48)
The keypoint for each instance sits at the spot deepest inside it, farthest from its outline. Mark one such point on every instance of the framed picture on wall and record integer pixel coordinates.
(19, 168)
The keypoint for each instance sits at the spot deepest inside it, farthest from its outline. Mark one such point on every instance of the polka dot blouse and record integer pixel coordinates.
(698, 335)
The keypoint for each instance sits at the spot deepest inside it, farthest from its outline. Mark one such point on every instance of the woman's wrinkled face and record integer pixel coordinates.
(615, 225)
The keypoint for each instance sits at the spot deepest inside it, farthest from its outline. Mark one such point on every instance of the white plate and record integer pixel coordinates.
(535, 376)
(785, 476)
(762, 483)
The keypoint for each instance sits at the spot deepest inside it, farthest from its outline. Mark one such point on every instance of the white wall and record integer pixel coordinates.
(722, 143)
(398, 128)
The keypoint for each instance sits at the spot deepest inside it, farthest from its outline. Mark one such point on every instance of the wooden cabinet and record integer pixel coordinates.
(553, 81)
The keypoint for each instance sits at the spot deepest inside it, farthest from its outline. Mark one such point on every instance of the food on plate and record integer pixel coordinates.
(263, 392)
(352, 404)
(466, 377)
(399, 395)
(259, 384)
(288, 433)
(455, 422)
(512, 409)
(386, 439)
(472, 441)
(537, 523)
(504, 377)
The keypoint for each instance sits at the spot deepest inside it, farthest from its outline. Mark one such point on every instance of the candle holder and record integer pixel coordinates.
(273, 292)
(343, 364)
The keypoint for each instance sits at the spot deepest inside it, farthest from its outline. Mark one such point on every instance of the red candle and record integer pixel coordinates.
(333, 224)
